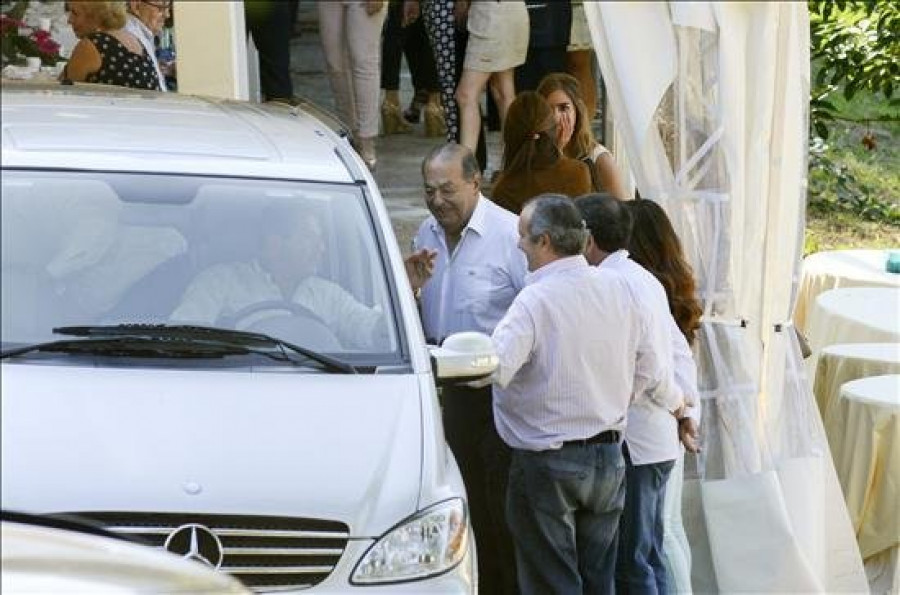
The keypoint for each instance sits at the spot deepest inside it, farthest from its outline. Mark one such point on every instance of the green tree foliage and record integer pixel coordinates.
(855, 46)
(855, 52)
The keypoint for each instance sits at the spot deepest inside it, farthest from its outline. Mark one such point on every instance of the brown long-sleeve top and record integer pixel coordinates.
(567, 176)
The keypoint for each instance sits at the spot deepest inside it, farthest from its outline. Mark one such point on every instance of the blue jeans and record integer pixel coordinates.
(640, 567)
(563, 510)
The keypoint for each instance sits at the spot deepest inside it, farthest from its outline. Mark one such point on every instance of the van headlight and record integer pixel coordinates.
(429, 543)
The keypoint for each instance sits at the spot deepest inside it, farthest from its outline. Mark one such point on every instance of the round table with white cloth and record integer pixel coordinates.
(864, 436)
(836, 269)
(850, 361)
(853, 315)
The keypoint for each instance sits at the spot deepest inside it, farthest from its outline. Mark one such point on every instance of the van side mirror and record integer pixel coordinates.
(464, 356)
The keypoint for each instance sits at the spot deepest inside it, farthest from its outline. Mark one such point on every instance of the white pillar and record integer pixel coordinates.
(212, 48)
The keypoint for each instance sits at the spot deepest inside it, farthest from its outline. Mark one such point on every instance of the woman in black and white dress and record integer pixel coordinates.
(106, 53)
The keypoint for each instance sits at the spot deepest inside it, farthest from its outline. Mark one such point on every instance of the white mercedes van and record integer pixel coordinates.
(209, 343)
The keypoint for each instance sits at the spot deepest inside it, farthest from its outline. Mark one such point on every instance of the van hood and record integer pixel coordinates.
(276, 441)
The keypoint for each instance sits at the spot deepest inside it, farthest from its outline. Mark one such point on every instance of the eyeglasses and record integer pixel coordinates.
(159, 4)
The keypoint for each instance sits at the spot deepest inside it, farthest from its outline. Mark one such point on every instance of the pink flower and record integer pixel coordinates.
(47, 46)
(7, 23)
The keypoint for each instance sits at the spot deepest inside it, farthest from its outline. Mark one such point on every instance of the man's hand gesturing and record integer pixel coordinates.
(419, 267)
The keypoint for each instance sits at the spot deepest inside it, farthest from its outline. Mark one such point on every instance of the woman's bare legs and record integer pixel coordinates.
(503, 88)
(468, 94)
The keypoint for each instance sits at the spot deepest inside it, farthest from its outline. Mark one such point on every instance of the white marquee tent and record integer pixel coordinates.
(711, 100)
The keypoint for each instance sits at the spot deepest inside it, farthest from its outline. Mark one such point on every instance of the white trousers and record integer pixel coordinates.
(351, 39)
(675, 543)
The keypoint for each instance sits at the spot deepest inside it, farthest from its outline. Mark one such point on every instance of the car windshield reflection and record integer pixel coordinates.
(296, 261)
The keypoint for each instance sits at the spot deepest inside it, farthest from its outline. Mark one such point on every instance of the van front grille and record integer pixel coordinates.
(266, 553)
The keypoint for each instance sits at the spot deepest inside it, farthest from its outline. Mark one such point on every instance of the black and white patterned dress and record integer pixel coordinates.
(120, 66)
(441, 28)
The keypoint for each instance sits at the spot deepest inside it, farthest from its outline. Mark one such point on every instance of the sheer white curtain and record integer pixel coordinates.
(711, 98)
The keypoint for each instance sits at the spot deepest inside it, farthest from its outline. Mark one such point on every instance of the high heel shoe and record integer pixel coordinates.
(414, 111)
(366, 149)
(392, 121)
(434, 120)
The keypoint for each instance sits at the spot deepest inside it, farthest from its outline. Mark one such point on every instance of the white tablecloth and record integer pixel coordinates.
(854, 315)
(836, 269)
(850, 361)
(864, 436)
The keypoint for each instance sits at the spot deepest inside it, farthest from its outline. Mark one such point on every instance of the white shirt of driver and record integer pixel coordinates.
(225, 289)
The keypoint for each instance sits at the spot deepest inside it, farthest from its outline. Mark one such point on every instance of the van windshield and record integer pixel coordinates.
(297, 261)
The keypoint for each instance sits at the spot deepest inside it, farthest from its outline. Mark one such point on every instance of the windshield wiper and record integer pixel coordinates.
(130, 346)
(162, 337)
(206, 335)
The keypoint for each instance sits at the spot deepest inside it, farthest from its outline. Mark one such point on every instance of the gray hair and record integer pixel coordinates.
(470, 167)
(557, 216)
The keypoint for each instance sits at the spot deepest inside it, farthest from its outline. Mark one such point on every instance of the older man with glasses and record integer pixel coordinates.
(146, 19)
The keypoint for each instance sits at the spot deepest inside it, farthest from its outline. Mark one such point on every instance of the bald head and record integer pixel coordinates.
(452, 186)
(454, 153)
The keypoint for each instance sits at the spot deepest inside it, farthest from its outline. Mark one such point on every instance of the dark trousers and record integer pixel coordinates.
(548, 39)
(563, 510)
(640, 567)
(483, 460)
(271, 23)
(411, 41)
(539, 63)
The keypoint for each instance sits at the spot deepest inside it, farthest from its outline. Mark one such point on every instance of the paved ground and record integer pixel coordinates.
(399, 156)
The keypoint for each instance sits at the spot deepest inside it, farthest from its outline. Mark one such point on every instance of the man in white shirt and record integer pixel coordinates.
(468, 246)
(568, 350)
(651, 437)
(146, 19)
(279, 287)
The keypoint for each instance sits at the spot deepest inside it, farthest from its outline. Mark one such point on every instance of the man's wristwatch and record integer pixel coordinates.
(417, 292)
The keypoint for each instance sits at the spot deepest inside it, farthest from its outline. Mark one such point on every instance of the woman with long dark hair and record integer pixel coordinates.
(655, 246)
(643, 558)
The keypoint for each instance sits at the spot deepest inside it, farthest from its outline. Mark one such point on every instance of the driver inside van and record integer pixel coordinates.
(278, 288)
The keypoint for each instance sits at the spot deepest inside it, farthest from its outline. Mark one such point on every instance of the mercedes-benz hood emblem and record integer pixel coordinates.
(196, 542)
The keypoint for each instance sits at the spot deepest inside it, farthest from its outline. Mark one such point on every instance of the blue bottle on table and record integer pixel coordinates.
(892, 265)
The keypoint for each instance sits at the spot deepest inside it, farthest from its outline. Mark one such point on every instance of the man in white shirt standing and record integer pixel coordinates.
(570, 358)
(651, 437)
(146, 19)
(468, 249)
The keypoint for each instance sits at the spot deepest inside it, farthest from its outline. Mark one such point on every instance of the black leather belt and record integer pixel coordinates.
(607, 437)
